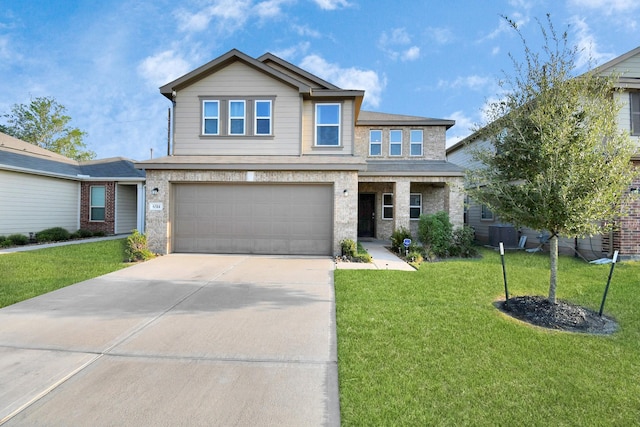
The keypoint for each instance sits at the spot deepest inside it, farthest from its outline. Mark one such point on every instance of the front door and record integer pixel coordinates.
(366, 215)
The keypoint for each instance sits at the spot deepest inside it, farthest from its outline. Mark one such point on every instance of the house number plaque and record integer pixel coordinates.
(155, 206)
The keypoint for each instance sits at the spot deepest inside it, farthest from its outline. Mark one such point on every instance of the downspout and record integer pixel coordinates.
(172, 137)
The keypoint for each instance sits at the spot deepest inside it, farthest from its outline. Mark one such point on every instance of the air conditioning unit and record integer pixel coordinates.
(506, 234)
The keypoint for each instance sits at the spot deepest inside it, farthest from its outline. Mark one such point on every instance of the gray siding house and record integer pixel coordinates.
(270, 159)
(627, 238)
(41, 189)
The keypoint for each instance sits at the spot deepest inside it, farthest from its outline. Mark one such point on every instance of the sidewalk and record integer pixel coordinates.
(381, 259)
(68, 242)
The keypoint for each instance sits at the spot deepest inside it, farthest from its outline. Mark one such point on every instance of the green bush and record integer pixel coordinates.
(82, 233)
(99, 234)
(415, 257)
(436, 231)
(349, 248)
(137, 249)
(18, 239)
(397, 239)
(55, 234)
(462, 244)
(5, 243)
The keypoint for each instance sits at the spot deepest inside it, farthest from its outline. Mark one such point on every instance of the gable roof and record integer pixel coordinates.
(323, 88)
(625, 80)
(383, 119)
(20, 156)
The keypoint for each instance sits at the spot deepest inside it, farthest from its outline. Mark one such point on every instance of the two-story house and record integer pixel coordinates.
(626, 239)
(267, 158)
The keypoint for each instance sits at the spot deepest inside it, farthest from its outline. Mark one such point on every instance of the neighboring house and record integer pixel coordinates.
(40, 189)
(627, 238)
(270, 159)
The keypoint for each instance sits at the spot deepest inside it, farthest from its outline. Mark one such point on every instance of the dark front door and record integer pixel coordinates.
(366, 215)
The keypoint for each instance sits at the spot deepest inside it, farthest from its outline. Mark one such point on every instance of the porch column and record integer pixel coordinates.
(456, 202)
(401, 204)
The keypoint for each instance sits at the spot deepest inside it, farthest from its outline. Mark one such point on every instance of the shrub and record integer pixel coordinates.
(18, 239)
(54, 234)
(415, 257)
(348, 247)
(397, 239)
(362, 257)
(82, 233)
(99, 234)
(5, 243)
(137, 249)
(436, 231)
(463, 242)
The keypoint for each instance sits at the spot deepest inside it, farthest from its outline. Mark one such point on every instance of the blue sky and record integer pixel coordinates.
(104, 61)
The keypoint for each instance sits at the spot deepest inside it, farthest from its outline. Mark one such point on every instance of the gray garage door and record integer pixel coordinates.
(253, 219)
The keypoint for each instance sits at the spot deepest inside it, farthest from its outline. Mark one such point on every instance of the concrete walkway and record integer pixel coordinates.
(198, 340)
(381, 258)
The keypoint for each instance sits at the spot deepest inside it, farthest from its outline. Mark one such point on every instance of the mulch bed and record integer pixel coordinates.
(537, 310)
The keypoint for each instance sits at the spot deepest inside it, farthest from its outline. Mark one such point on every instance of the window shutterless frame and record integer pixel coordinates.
(387, 206)
(415, 142)
(237, 117)
(395, 142)
(97, 199)
(375, 142)
(415, 205)
(634, 109)
(263, 115)
(211, 117)
(327, 125)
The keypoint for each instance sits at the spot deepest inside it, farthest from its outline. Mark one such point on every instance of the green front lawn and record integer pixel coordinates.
(429, 347)
(24, 275)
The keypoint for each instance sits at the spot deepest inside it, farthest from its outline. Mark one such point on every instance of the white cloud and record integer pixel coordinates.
(464, 127)
(504, 27)
(331, 4)
(163, 67)
(229, 16)
(305, 31)
(393, 44)
(473, 82)
(607, 7)
(411, 54)
(293, 51)
(588, 52)
(270, 8)
(440, 35)
(347, 78)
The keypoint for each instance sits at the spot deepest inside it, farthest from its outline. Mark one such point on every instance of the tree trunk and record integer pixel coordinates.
(553, 255)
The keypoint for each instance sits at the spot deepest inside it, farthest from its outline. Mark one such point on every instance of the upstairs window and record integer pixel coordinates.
(375, 142)
(263, 118)
(97, 200)
(210, 117)
(395, 143)
(415, 141)
(486, 214)
(634, 101)
(236, 117)
(328, 125)
(387, 206)
(415, 205)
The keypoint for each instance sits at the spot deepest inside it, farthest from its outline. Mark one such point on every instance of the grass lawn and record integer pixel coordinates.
(429, 348)
(24, 275)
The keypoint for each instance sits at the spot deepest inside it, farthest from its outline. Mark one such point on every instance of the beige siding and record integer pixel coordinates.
(31, 203)
(244, 82)
(463, 157)
(624, 115)
(126, 208)
(346, 129)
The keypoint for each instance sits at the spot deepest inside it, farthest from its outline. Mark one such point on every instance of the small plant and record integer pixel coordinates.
(462, 244)
(349, 248)
(397, 239)
(99, 233)
(415, 258)
(54, 234)
(5, 243)
(18, 239)
(83, 233)
(137, 249)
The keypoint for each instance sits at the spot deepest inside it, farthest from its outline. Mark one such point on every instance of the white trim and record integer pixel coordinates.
(415, 206)
(387, 206)
(376, 142)
(205, 117)
(413, 143)
(257, 117)
(104, 206)
(316, 124)
(243, 117)
(391, 144)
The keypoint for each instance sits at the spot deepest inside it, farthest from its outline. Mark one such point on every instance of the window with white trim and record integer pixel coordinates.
(395, 143)
(263, 117)
(415, 205)
(375, 142)
(328, 125)
(415, 142)
(486, 213)
(210, 117)
(387, 206)
(97, 199)
(634, 107)
(237, 111)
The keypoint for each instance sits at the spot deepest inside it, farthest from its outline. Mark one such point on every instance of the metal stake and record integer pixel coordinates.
(504, 275)
(606, 289)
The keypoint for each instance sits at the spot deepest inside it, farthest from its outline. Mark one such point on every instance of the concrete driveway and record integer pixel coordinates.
(179, 340)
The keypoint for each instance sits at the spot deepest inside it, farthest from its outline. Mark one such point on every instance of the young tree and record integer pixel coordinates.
(558, 161)
(43, 123)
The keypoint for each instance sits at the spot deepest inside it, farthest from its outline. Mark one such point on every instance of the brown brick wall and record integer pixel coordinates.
(108, 225)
